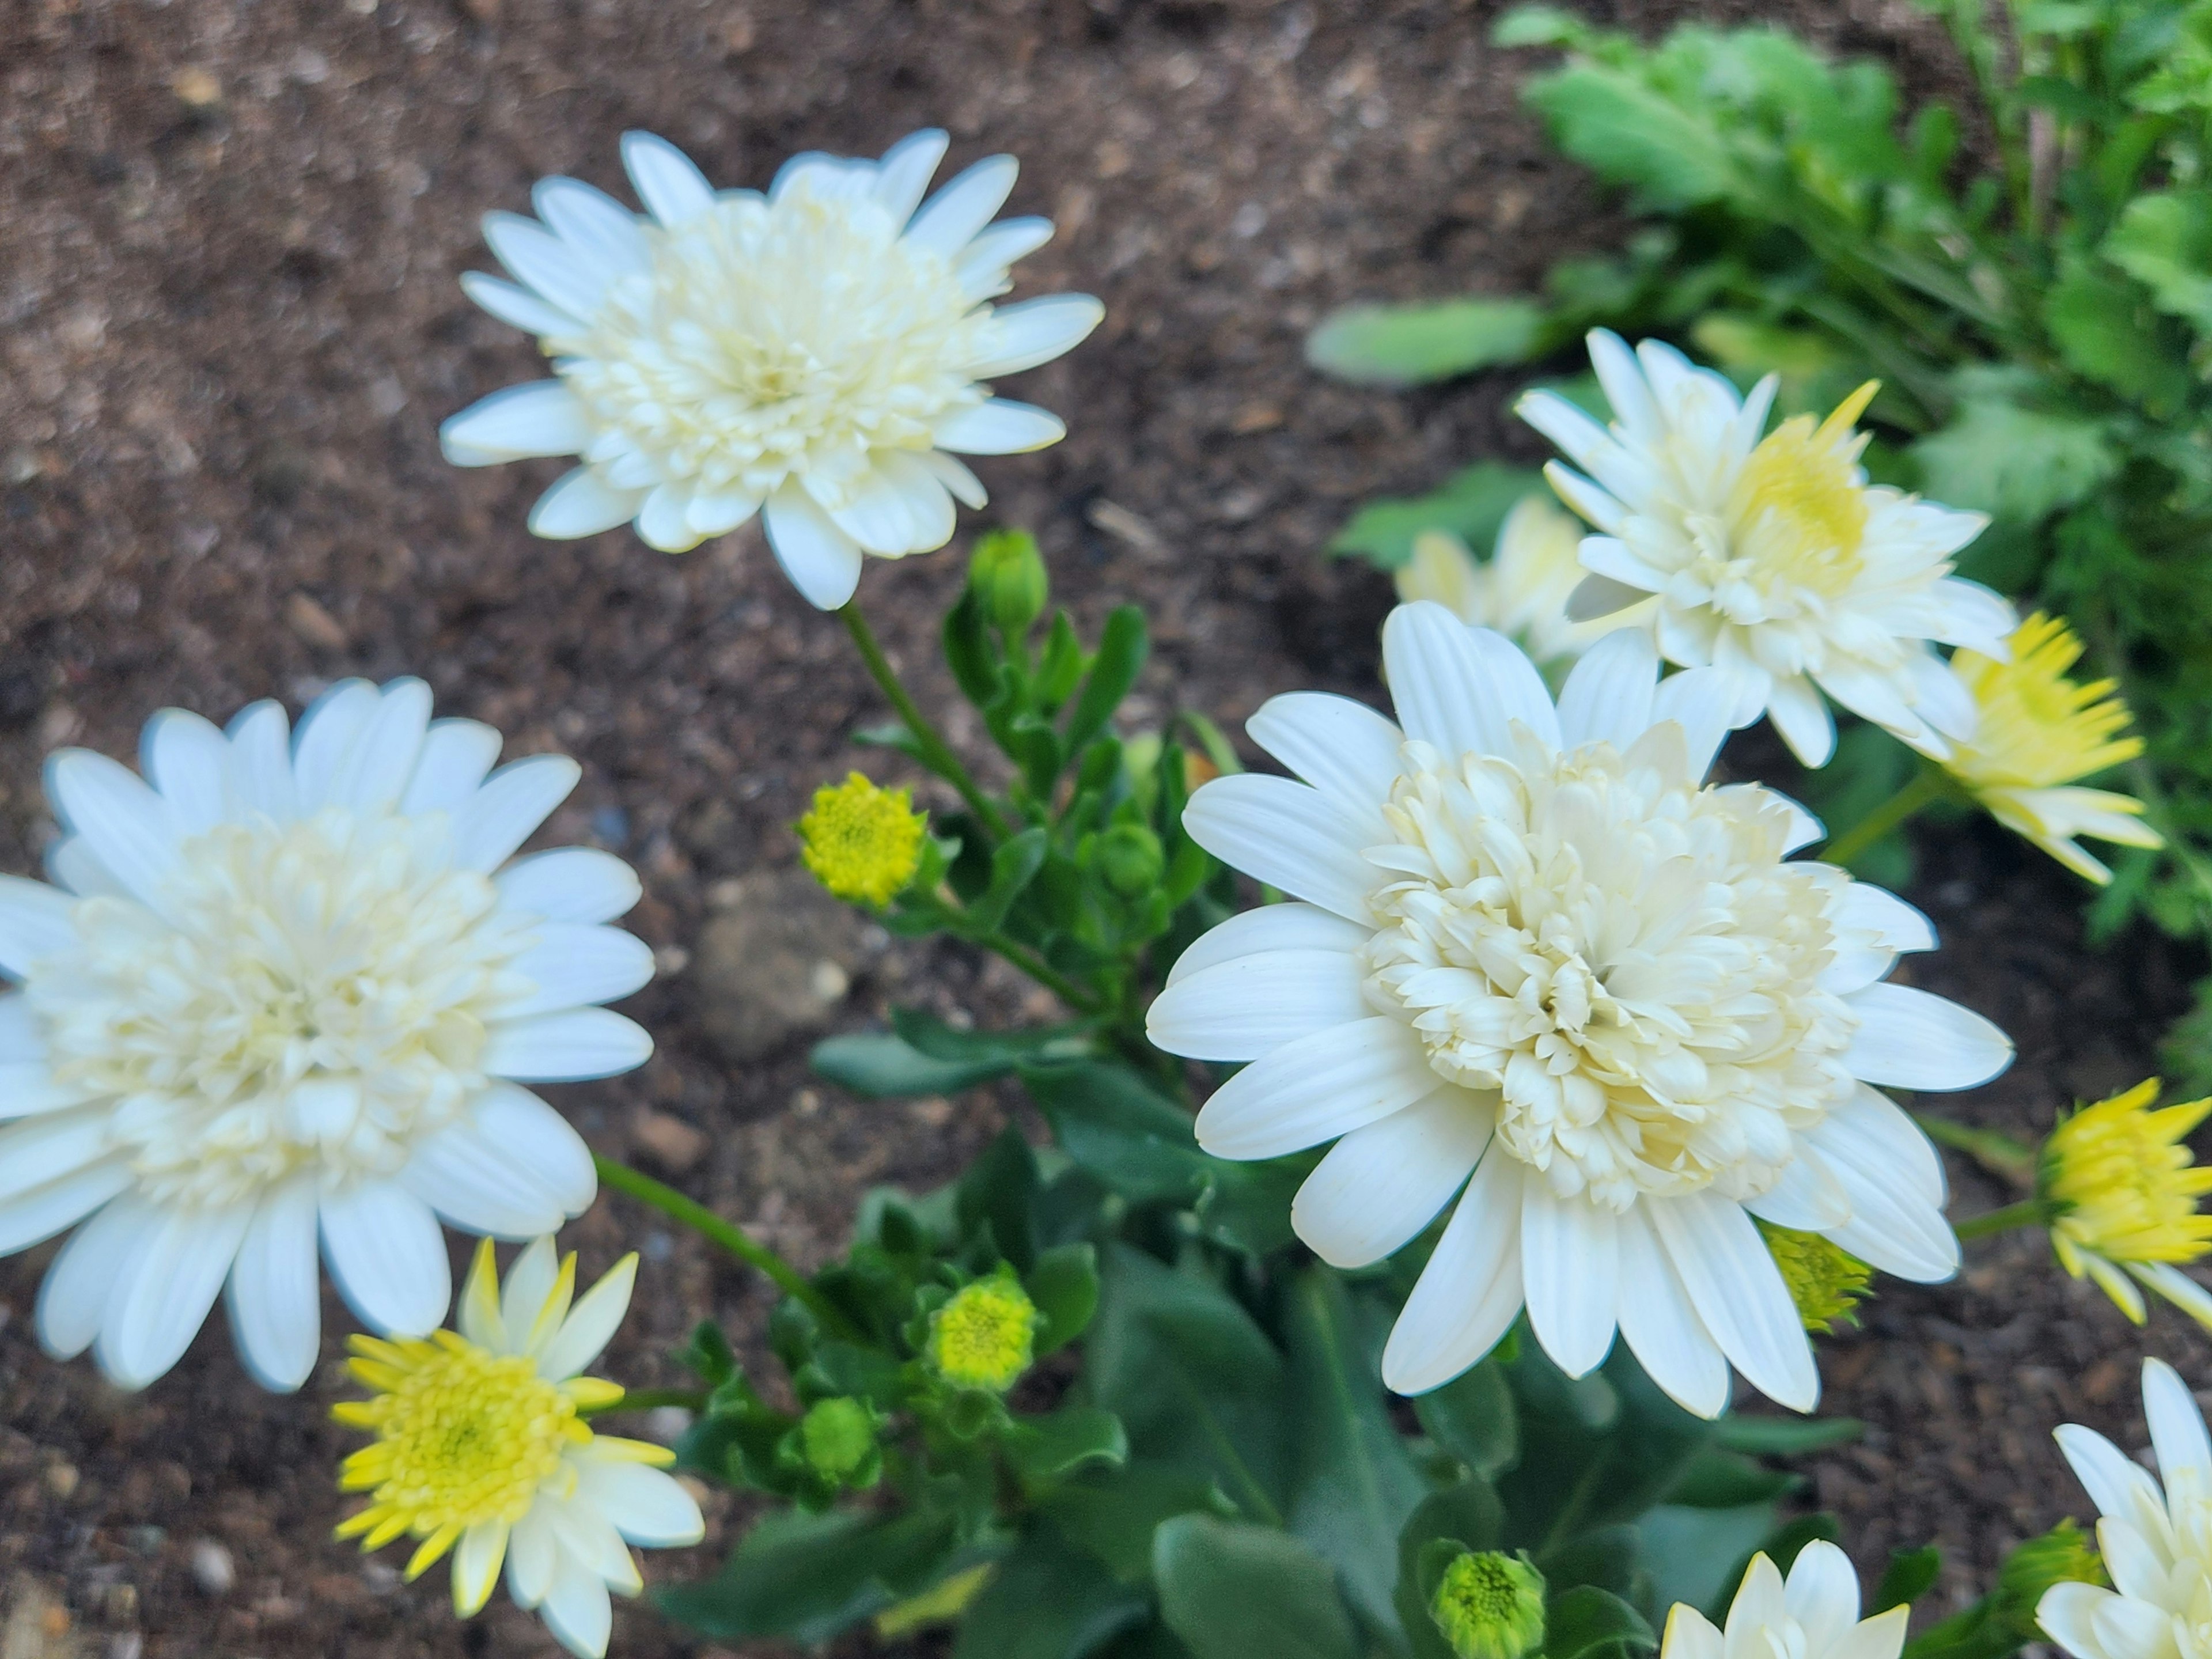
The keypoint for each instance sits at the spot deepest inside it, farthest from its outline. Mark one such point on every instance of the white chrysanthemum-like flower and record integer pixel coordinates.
(1814, 1614)
(288, 989)
(1535, 949)
(2156, 1541)
(1521, 590)
(813, 354)
(1771, 557)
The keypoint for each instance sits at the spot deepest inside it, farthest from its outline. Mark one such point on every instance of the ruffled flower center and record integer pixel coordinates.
(766, 338)
(308, 992)
(2036, 728)
(1622, 954)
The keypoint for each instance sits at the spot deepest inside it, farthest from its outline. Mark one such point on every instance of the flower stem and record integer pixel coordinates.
(935, 753)
(646, 1400)
(731, 1237)
(1998, 1153)
(1927, 786)
(1038, 968)
(2028, 1212)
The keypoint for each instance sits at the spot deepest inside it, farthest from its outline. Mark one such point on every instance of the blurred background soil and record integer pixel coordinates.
(230, 325)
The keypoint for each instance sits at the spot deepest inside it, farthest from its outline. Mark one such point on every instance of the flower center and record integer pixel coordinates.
(2034, 727)
(770, 337)
(463, 1435)
(983, 1337)
(1620, 953)
(308, 992)
(862, 843)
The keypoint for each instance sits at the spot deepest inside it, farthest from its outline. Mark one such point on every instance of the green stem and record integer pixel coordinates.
(1039, 970)
(731, 1237)
(646, 1400)
(935, 753)
(2028, 1212)
(1927, 786)
(1998, 1153)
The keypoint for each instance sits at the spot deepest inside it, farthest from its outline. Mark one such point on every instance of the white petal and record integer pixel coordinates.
(324, 738)
(597, 229)
(517, 306)
(1322, 1086)
(532, 1557)
(128, 827)
(164, 1291)
(476, 1563)
(570, 1046)
(981, 268)
(1706, 703)
(1804, 828)
(1034, 332)
(950, 471)
(35, 923)
(1270, 928)
(2067, 1614)
(1660, 1327)
(1512, 687)
(1892, 1226)
(1607, 697)
(573, 964)
(822, 560)
(590, 1324)
(2142, 1630)
(718, 515)
(74, 1296)
(965, 206)
(664, 519)
(74, 866)
(1806, 1196)
(2116, 1483)
(1344, 748)
(2177, 1425)
(1287, 835)
(671, 187)
(540, 418)
(878, 517)
(581, 503)
(261, 761)
(1380, 1185)
(1802, 715)
(1887, 917)
(38, 1215)
(1909, 1039)
(1738, 1292)
(454, 758)
(536, 258)
(474, 1184)
(384, 755)
(507, 810)
(576, 1610)
(540, 1141)
(998, 426)
(1822, 1590)
(22, 1032)
(187, 760)
(275, 1295)
(568, 884)
(1470, 1293)
(1690, 1634)
(1571, 1275)
(903, 173)
(1240, 1009)
(28, 1088)
(929, 506)
(387, 1256)
(1441, 684)
(646, 1506)
(1596, 597)
(49, 1146)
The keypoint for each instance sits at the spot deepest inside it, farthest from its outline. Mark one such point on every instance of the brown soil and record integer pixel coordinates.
(228, 327)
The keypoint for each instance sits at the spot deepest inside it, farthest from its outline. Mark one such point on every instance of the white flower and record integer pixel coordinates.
(1772, 557)
(1815, 1615)
(482, 1449)
(1534, 948)
(1521, 590)
(810, 354)
(2157, 1544)
(290, 991)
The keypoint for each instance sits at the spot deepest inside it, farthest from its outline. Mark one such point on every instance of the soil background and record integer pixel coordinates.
(229, 325)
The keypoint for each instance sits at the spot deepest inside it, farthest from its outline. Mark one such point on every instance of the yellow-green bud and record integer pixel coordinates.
(985, 1336)
(2061, 1556)
(1490, 1606)
(1824, 1280)
(1007, 575)
(839, 1434)
(862, 842)
(1130, 860)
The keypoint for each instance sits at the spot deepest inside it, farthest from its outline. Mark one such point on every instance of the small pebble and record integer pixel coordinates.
(666, 1424)
(213, 1570)
(62, 1478)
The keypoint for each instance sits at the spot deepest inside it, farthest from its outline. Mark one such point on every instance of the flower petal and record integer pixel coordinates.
(2177, 1425)
(36, 921)
(387, 1257)
(1607, 697)
(275, 1293)
(1288, 835)
(128, 827)
(1469, 1294)
(382, 758)
(1738, 1292)
(1662, 1327)
(1289, 926)
(1381, 1185)
(455, 756)
(539, 417)
(163, 1292)
(73, 1299)
(1322, 1086)
(1822, 1591)
(507, 810)
(570, 1046)
(998, 426)
(1344, 748)
(590, 1324)
(1034, 332)
(568, 884)
(646, 1506)
(950, 218)
(822, 560)
(539, 1140)
(1241, 1009)
(518, 306)
(1909, 1039)
(573, 964)
(903, 173)
(666, 180)
(1802, 715)
(187, 760)
(476, 1184)
(581, 503)
(1571, 1274)
(45, 1210)
(576, 1610)
(981, 268)
(538, 259)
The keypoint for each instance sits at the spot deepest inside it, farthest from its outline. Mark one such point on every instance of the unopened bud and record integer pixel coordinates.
(1007, 575)
(1130, 860)
(1490, 1606)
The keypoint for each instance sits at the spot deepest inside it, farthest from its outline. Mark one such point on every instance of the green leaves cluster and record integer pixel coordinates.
(2042, 327)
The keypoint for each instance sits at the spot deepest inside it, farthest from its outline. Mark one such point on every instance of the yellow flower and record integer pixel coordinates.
(862, 842)
(1824, 1280)
(983, 1338)
(2038, 732)
(2121, 1182)
(483, 1448)
(1521, 590)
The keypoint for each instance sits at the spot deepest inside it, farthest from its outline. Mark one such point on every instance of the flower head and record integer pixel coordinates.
(1814, 1614)
(482, 1449)
(1489, 1606)
(1521, 590)
(984, 1337)
(2039, 732)
(1536, 949)
(862, 842)
(1771, 557)
(813, 354)
(2156, 1539)
(284, 992)
(1824, 1280)
(2124, 1187)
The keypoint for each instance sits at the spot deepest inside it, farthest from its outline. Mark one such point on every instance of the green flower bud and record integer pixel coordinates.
(1824, 1280)
(2061, 1556)
(1490, 1606)
(839, 1435)
(1007, 575)
(1130, 860)
(985, 1336)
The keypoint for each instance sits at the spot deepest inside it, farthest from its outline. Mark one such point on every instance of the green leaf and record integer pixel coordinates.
(1232, 1591)
(2096, 320)
(808, 1577)
(1353, 1482)
(1064, 1285)
(1113, 1516)
(1688, 1553)
(1013, 866)
(1048, 1600)
(1593, 1452)
(2014, 463)
(1784, 1436)
(1721, 1480)
(1471, 1417)
(967, 650)
(2165, 242)
(1247, 1207)
(1412, 345)
(1049, 1449)
(1471, 504)
(881, 1065)
(1122, 647)
(999, 1189)
(1587, 1623)
(1910, 1575)
(1628, 134)
(1112, 1123)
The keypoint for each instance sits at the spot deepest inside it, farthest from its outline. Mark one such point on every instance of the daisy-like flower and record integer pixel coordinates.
(2156, 1541)
(1813, 1614)
(862, 842)
(482, 1449)
(290, 990)
(813, 354)
(1772, 557)
(2040, 732)
(2123, 1186)
(1534, 948)
(1521, 590)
